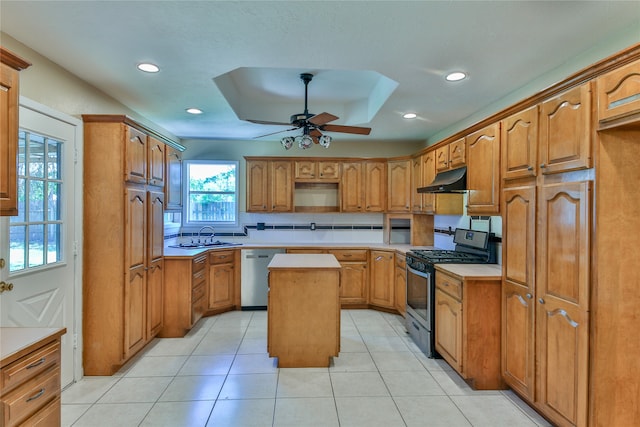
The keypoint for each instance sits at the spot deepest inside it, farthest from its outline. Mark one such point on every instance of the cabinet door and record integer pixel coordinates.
(375, 185)
(155, 282)
(156, 225)
(416, 182)
(173, 179)
(135, 155)
(400, 294)
(619, 92)
(8, 140)
(156, 162)
(351, 187)
(562, 329)
(457, 153)
(399, 187)
(519, 141)
(565, 131)
(483, 170)
(135, 227)
(381, 279)
(518, 289)
(281, 186)
(220, 286)
(353, 283)
(428, 174)
(258, 186)
(135, 324)
(305, 169)
(449, 329)
(328, 170)
(442, 158)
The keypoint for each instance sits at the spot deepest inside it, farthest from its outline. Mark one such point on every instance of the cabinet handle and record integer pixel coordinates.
(378, 258)
(529, 296)
(37, 363)
(542, 166)
(37, 395)
(530, 168)
(541, 301)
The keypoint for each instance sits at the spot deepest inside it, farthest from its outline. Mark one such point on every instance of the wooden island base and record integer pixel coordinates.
(303, 310)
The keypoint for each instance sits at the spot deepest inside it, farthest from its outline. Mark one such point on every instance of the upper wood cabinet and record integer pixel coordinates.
(363, 186)
(399, 185)
(451, 156)
(269, 186)
(10, 66)
(428, 161)
(375, 186)
(173, 180)
(144, 158)
(314, 170)
(619, 93)
(416, 182)
(156, 159)
(483, 171)
(519, 141)
(566, 131)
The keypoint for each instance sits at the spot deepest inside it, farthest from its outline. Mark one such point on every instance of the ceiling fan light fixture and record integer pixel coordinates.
(287, 142)
(325, 141)
(455, 76)
(304, 141)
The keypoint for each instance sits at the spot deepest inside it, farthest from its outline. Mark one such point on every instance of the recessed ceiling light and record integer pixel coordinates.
(148, 67)
(194, 111)
(409, 115)
(455, 76)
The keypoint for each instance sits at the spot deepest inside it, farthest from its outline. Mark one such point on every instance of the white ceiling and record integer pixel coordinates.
(501, 44)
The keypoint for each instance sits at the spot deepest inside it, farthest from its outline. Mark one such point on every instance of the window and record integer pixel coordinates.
(212, 192)
(35, 234)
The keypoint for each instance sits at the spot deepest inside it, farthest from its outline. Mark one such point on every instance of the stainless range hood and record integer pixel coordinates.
(451, 181)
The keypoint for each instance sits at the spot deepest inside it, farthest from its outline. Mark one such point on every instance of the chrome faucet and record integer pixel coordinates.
(213, 232)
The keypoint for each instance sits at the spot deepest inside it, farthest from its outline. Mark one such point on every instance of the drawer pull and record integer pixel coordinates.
(37, 395)
(37, 363)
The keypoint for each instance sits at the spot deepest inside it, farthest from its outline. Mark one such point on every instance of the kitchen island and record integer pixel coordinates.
(303, 310)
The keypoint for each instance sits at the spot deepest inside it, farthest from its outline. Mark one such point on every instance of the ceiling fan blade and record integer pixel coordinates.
(315, 133)
(322, 118)
(265, 122)
(346, 129)
(273, 133)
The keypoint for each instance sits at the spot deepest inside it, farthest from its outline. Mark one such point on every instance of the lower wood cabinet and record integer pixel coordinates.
(468, 327)
(30, 377)
(353, 276)
(400, 284)
(222, 280)
(381, 279)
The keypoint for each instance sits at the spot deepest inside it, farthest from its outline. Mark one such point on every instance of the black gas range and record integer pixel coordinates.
(471, 247)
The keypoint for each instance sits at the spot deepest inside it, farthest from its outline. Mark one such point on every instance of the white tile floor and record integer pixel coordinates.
(221, 375)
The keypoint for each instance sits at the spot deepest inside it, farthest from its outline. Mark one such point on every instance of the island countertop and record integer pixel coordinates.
(15, 342)
(306, 261)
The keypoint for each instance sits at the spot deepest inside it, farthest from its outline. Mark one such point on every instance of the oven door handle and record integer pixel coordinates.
(418, 273)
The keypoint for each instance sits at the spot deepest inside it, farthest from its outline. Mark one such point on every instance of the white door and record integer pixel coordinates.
(38, 244)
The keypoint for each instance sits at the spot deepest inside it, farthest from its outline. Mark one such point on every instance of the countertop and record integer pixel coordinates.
(303, 261)
(190, 253)
(472, 271)
(16, 342)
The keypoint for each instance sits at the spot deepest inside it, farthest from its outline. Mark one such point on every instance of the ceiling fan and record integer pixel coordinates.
(312, 124)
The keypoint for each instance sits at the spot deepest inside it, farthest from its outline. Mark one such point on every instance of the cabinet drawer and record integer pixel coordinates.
(221, 257)
(449, 285)
(50, 415)
(199, 263)
(199, 276)
(29, 366)
(306, 251)
(198, 291)
(28, 398)
(350, 254)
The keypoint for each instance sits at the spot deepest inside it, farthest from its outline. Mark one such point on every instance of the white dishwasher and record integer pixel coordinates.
(255, 277)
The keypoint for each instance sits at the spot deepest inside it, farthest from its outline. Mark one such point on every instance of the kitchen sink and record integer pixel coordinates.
(217, 243)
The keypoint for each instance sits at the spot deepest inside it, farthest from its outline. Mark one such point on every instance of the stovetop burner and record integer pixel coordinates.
(437, 255)
(472, 247)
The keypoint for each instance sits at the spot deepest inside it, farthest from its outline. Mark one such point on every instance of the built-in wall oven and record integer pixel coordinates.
(471, 247)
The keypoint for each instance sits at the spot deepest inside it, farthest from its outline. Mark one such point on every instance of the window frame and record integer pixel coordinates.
(186, 188)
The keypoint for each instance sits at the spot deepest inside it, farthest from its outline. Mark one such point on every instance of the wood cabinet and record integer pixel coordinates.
(400, 284)
(483, 171)
(222, 280)
(352, 187)
(123, 268)
(375, 186)
(566, 131)
(416, 182)
(381, 279)
(173, 183)
(186, 281)
(519, 289)
(30, 376)
(269, 186)
(314, 170)
(467, 326)
(353, 276)
(428, 161)
(399, 185)
(619, 95)
(451, 156)
(10, 67)
(363, 186)
(519, 140)
(303, 297)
